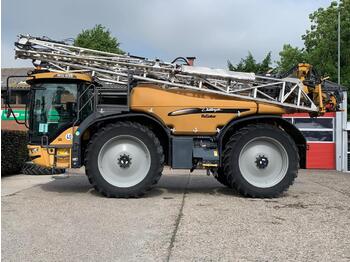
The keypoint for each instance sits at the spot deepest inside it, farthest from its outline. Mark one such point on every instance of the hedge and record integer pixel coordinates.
(13, 151)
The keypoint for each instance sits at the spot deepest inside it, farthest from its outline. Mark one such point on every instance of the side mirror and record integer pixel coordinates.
(7, 99)
(8, 89)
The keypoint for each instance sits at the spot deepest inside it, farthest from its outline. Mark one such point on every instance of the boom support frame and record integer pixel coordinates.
(289, 93)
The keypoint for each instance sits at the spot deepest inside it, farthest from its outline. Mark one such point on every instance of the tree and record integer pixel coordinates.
(264, 66)
(289, 57)
(98, 38)
(249, 64)
(322, 39)
(321, 43)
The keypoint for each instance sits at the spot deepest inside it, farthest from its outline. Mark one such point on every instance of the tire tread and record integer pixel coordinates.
(115, 126)
(35, 170)
(232, 179)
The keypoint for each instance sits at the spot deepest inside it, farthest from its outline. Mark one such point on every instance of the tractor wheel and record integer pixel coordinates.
(35, 170)
(124, 159)
(222, 178)
(261, 161)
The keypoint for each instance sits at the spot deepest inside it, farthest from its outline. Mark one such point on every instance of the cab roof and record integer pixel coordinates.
(41, 75)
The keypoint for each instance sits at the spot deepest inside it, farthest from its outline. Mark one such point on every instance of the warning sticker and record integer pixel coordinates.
(43, 127)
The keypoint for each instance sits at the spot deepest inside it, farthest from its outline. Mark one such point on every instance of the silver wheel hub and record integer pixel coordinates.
(263, 162)
(124, 161)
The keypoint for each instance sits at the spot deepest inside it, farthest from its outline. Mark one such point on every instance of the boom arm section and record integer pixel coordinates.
(288, 92)
(326, 95)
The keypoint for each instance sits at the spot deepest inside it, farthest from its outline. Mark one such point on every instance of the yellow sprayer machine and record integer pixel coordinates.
(124, 117)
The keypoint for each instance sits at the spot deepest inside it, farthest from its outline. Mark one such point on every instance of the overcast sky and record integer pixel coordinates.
(212, 30)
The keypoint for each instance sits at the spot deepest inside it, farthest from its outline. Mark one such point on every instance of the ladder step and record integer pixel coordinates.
(109, 107)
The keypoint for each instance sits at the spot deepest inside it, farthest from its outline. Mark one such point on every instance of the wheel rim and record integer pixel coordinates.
(263, 162)
(124, 161)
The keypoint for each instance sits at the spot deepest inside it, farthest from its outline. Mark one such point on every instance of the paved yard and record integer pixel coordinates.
(186, 217)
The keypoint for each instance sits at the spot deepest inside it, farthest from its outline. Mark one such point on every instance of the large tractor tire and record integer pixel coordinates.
(260, 161)
(222, 178)
(35, 170)
(124, 159)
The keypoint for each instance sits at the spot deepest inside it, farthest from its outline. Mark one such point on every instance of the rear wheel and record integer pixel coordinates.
(261, 161)
(124, 160)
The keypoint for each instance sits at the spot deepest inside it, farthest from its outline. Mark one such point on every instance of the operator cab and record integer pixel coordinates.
(54, 104)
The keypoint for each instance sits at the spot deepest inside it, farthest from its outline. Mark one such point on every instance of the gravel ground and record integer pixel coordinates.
(186, 217)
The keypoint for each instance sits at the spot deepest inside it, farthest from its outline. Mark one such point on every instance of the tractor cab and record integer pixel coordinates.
(54, 111)
(54, 104)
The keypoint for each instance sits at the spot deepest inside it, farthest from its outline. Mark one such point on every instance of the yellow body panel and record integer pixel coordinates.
(59, 75)
(58, 154)
(194, 113)
(40, 155)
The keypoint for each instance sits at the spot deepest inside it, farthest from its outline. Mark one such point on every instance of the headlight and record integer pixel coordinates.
(34, 150)
(63, 151)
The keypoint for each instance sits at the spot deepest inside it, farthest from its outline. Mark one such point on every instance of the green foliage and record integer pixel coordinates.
(98, 38)
(264, 66)
(321, 43)
(249, 64)
(322, 39)
(13, 151)
(289, 57)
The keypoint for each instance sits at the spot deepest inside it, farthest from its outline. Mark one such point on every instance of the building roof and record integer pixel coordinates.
(17, 83)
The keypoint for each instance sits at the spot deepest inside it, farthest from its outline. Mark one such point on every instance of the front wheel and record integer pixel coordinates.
(261, 161)
(221, 177)
(124, 160)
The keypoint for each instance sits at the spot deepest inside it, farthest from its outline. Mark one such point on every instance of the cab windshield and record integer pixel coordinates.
(54, 108)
